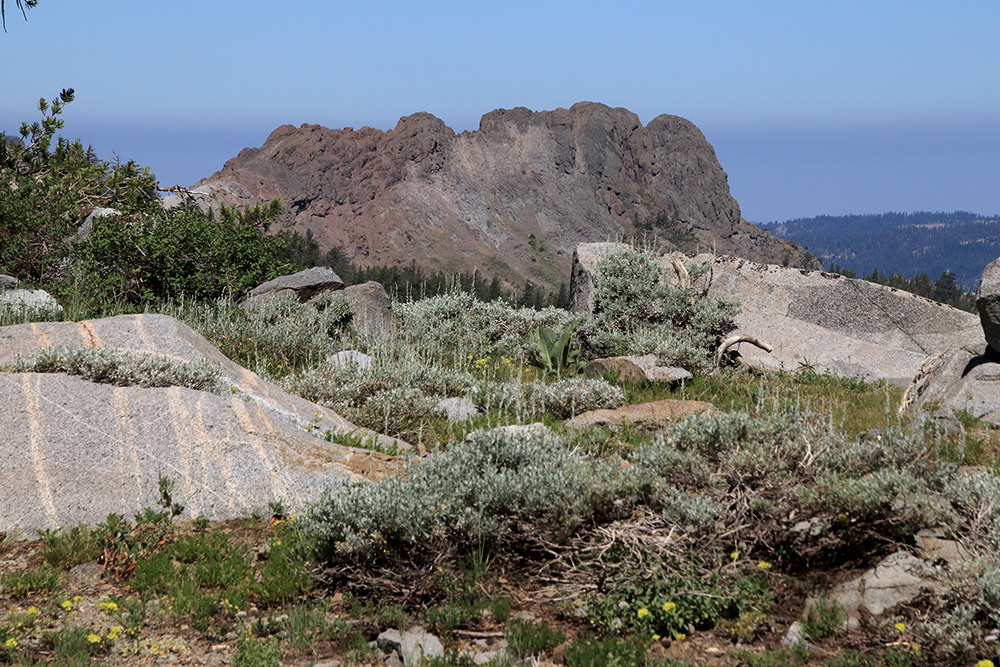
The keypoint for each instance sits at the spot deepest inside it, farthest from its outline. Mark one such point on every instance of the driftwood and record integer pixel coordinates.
(919, 382)
(683, 277)
(733, 340)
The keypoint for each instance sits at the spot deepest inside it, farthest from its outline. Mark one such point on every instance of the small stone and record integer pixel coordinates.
(457, 409)
(29, 300)
(642, 417)
(305, 284)
(392, 660)
(85, 574)
(797, 635)
(413, 645)
(488, 656)
(371, 307)
(637, 368)
(934, 545)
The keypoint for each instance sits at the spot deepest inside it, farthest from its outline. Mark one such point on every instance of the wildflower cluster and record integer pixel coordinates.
(656, 621)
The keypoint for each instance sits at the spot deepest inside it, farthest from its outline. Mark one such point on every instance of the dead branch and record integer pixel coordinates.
(733, 340)
(683, 277)
(919, 381)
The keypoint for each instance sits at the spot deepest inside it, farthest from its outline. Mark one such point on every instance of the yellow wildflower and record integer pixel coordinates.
(901, 627)
(668, 606)
(643, 613)
(11, 643)
(680, 636)
(764, 565)
(77, 598)
(656, 638)
(984, 663)
(32, 611)
(67, 605)
(107, 607)
(94, 639)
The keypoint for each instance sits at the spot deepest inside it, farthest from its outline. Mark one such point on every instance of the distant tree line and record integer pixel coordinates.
(411, 282)
(947, 289)
(960, 242)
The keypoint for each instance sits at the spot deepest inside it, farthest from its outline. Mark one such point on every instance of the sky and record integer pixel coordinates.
(813, 107)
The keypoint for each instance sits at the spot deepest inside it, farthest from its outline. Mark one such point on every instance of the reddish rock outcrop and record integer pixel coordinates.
(511, 199)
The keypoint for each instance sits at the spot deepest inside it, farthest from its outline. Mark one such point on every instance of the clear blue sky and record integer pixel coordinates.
(828, 107)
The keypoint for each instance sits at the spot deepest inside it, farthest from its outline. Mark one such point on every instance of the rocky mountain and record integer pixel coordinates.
(511, 199)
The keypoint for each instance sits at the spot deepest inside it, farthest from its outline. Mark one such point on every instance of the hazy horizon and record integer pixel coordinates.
(812, 108)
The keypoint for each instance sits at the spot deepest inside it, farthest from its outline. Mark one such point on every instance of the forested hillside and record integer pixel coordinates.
(905, 243)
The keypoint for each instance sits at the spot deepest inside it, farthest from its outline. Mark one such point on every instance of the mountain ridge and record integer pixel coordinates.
(511, 199)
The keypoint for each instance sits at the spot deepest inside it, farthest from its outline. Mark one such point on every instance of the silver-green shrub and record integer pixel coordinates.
(271, 336)
(562, 399)
(124, 368)
(567, 398)
(637, 311)
(974, 495)
(871, 496)
(681, 508)
(470, 493)
(666, 461)
(459, 325)
(396, 391)
(715, 436)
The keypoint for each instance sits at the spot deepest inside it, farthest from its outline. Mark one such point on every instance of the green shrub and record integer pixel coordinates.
(22, 584)
(825, 619)
(305, 626)
(253, 652)
(43, 191)
(525, 639)
(148, 258)
(283, 575)
(553, 352)
(610, 651)
(65, 549)
(669, 597)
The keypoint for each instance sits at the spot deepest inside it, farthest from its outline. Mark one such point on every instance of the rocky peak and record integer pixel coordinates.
(512, 198)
